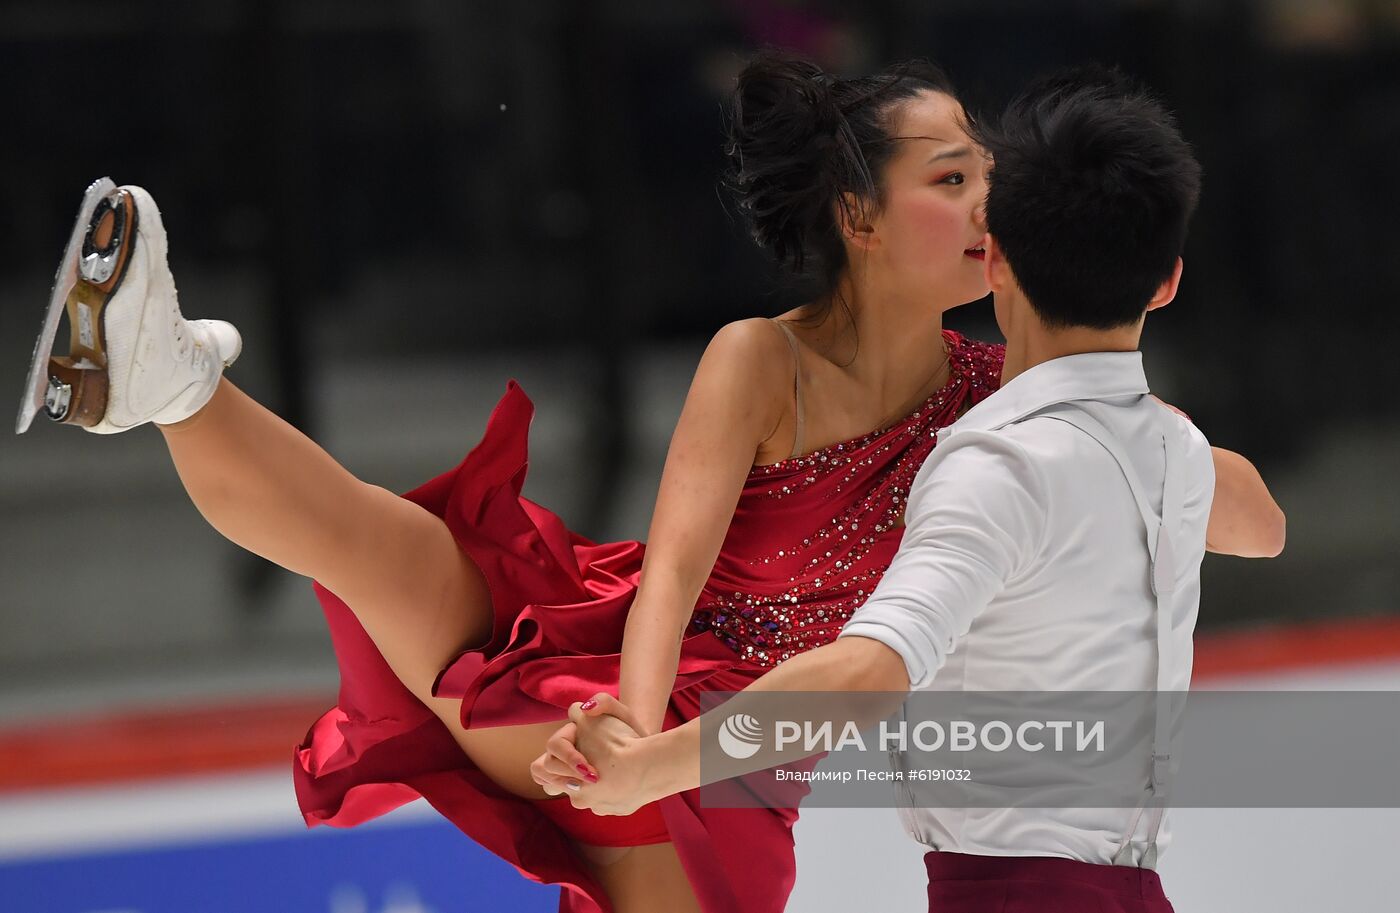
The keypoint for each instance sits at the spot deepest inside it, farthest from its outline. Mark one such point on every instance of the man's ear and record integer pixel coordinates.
(995, 269)
(854, 223)
(1167, 290)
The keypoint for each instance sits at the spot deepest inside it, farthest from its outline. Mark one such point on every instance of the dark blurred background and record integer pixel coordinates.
(404, 204)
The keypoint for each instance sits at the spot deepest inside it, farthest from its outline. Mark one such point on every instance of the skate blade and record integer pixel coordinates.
(99, 271)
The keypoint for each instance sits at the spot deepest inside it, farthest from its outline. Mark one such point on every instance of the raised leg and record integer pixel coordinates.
(134, 359)
(270, 489)
(267, 487)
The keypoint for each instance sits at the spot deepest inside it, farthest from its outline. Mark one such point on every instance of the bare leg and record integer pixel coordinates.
(640, 879)
(270, 489)
(646, 879)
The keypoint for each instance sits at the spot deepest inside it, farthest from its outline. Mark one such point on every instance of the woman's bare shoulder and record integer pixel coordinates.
(744, 380)
(754, 349)
(751, 336)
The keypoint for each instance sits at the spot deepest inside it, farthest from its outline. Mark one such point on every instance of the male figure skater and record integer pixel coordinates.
(1055, 535)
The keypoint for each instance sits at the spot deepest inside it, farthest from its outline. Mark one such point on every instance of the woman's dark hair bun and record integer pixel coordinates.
(783, 131)
(799, 139)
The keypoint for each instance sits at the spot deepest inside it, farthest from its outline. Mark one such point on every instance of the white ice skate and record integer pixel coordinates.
(132, 357)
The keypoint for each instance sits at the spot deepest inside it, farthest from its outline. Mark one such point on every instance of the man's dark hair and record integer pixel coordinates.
(1092, 188)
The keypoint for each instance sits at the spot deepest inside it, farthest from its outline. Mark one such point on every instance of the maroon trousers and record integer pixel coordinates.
(959, 883)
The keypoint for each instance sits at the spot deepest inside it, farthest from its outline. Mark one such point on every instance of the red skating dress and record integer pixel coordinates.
(810, 538)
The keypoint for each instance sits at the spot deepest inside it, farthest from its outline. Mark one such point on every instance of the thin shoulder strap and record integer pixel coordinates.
(796, 386)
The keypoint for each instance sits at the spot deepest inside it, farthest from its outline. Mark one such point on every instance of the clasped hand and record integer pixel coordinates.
(594, 759)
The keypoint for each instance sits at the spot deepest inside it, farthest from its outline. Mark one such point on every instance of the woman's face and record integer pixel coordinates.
(930, 228)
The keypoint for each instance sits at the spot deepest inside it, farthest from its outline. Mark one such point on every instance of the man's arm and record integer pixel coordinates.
(973, 523)
(635, 770)
(973, 516)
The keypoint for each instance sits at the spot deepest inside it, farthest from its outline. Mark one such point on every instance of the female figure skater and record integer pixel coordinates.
(467, 619)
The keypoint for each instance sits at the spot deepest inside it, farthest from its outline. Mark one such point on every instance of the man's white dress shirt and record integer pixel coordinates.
(1025, 566)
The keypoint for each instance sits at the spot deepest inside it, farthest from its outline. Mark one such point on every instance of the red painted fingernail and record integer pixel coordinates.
(583, 769)
(588, 704)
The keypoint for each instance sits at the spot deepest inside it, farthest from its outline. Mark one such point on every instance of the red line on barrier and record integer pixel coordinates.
(261, 732)
(156, 743)
(1279, 648)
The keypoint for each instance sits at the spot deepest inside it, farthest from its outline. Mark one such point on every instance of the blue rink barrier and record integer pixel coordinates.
(423, 867)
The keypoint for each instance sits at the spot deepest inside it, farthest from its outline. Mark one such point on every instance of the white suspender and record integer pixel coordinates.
(1163, 580)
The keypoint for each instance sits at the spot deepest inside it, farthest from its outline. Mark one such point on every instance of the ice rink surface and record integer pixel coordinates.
(233, 842)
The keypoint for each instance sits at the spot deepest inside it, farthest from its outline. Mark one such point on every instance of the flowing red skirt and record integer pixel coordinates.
(560, 602)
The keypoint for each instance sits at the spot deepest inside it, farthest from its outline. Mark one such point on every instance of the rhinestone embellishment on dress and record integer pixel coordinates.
(823, 575)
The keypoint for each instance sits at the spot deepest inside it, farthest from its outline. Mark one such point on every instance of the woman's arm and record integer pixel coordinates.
(738, 398)
(1244, 519)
